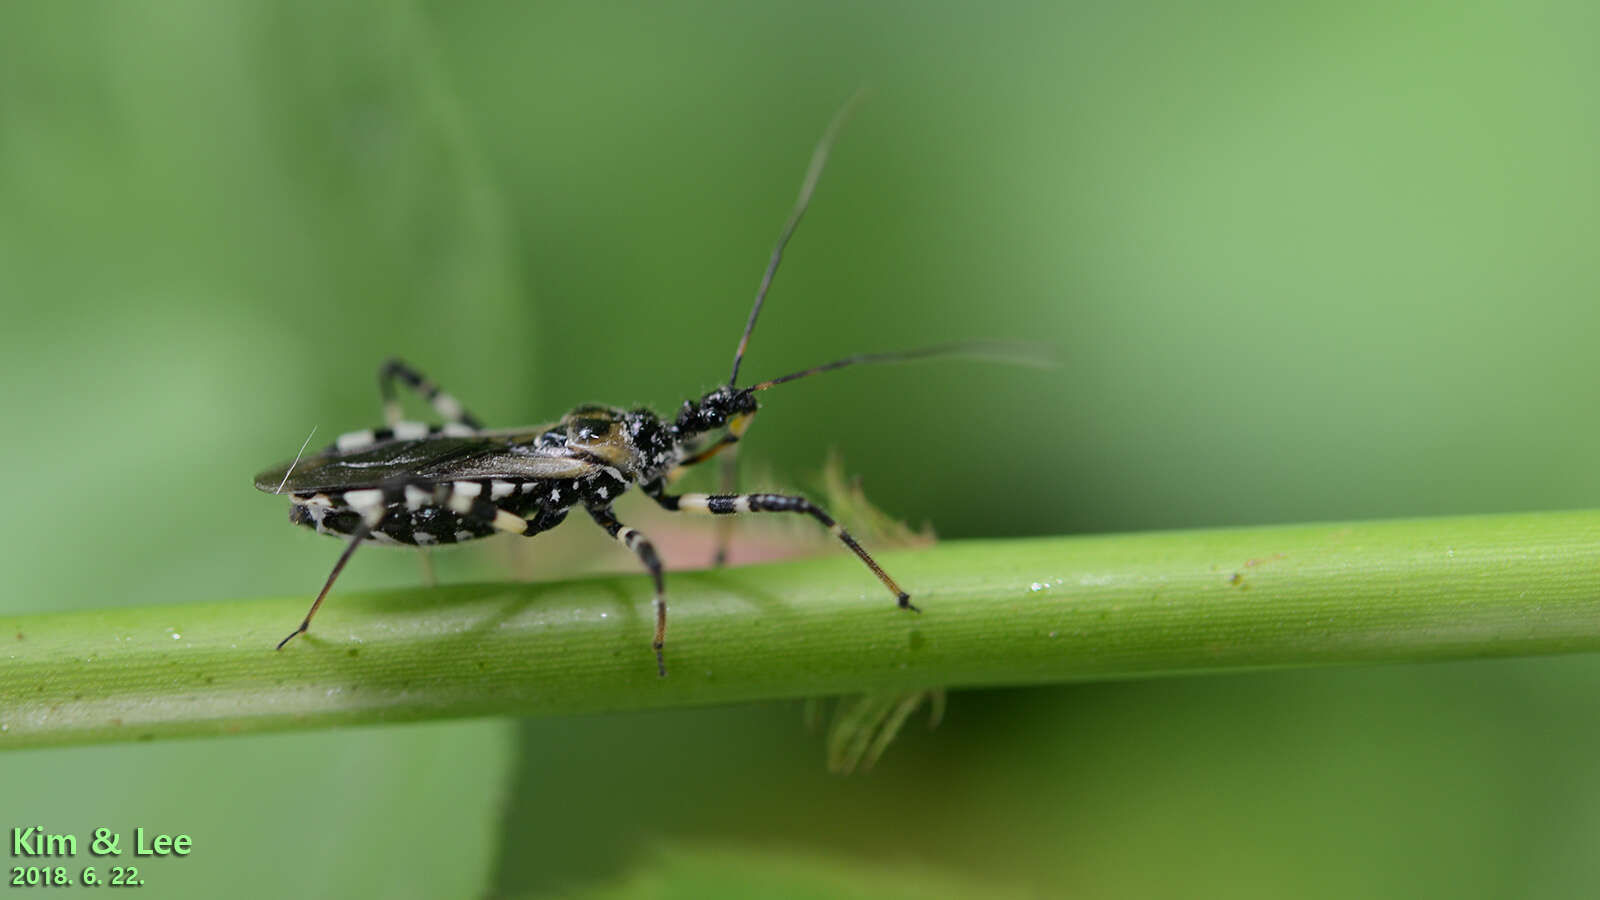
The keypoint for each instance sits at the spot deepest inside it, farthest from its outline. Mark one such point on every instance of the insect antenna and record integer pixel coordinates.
(819, 159)
(1021, 354)
(303, 445)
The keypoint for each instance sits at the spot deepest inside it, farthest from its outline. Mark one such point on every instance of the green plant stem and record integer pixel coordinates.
(995, 612)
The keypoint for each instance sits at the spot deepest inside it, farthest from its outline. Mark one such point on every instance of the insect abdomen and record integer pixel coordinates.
(441, 514)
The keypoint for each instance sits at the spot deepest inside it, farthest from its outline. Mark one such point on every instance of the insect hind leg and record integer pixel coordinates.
(733, 504)
(443, 403)
(646, 551)
(375, 505)
(362, 532)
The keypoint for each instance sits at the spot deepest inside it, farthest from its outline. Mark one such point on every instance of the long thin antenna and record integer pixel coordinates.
(303, 445)
(999, 351)
(819, 158)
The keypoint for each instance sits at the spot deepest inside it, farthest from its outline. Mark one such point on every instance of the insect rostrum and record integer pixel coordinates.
(421, 485)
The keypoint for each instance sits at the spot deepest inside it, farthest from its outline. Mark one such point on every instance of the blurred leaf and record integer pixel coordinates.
(864, 725)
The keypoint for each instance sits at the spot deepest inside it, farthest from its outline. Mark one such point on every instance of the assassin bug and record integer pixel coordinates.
(422, 485)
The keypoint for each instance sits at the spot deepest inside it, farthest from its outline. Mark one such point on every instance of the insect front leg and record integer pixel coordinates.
(728, 477)
(445, 404)
(727, 482)
(731, 504)
(642, 548)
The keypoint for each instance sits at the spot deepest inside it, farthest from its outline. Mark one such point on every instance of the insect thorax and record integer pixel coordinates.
(634, 442)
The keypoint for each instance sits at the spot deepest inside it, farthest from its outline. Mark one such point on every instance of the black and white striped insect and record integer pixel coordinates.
(421, 485)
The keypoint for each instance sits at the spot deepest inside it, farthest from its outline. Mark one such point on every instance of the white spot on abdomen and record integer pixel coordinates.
(364, 499)
(462, 493)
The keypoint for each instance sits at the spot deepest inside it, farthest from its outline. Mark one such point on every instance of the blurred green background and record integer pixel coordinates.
(1305, 261)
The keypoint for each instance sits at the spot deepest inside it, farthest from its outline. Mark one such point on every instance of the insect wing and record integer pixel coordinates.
(419, 462)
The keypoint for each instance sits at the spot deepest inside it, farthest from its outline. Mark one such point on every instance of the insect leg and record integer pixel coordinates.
(727, 482)
(374, 504)
(730, 504)
(445, 404)
(426, 561)
(725, 441)
(360, 534)
(728, 478)
(646, 552)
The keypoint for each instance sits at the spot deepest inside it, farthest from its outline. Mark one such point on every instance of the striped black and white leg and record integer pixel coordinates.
(728, 479)
(445, 404)
(733, 504)
(642, 548)
(728, 483)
